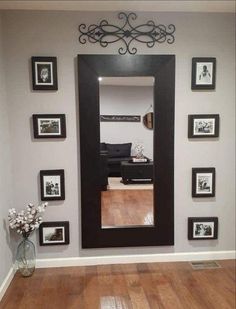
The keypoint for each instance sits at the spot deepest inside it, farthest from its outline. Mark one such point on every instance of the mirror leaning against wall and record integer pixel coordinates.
(127, 169)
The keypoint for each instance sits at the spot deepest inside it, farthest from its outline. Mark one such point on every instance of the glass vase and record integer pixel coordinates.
(25, 257)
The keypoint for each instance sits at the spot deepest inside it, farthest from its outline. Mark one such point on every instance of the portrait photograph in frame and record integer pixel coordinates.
(203, 182)
(52, 183)
(202, 228)
(54, 233)
(49, 125)
(203, 73)
(44, 73)
(203, 126)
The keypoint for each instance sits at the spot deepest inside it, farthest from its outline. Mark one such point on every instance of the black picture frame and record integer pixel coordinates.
(58, 233)
(55, 189)
(203, 73)
(44, 73)
(202, 228)
(203, 182)
(45, 125)
(203, 125)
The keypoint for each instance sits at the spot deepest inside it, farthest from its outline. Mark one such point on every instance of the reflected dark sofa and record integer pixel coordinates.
(115, 154)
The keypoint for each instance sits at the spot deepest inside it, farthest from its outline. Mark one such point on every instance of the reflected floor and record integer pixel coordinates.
(127, 207)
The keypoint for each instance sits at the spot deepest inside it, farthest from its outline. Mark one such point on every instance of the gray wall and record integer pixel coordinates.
(6, 196)
(55, 34)
(126, 100)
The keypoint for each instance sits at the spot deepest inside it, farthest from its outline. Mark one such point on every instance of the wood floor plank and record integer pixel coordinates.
(135, 289)
(125, 286)
(214, 296)
(149, 287)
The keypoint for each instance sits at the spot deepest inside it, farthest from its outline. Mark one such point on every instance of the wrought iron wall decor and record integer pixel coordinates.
(105, 33)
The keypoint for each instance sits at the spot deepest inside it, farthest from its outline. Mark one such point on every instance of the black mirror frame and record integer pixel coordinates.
(162, 68)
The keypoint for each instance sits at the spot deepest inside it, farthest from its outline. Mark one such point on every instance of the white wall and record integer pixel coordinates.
(55, 34)
(126, 100)
(6, 196)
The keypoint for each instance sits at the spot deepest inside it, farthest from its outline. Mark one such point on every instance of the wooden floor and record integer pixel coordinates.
(127, 207)
(133, 286)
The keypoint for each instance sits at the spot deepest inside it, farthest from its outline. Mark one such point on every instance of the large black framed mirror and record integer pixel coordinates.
(161, 68)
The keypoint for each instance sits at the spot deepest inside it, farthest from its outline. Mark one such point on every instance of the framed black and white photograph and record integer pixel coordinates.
(52, 185)
(202, 228)
(44, 73)
(203, 73)
(49, 125)
(203, 126)
(203, 182)
(54, 233)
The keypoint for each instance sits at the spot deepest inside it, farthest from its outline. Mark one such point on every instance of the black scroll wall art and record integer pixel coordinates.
(105, 33)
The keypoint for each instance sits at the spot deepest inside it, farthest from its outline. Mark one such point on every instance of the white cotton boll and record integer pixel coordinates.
(12, 211)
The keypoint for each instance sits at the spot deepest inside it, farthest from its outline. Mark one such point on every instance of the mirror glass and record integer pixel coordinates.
(126, 151)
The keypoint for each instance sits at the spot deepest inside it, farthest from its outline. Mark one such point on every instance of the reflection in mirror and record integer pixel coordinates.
(126, 152)
(148, 120)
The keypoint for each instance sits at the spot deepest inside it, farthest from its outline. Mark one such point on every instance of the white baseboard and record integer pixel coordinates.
(142, 258)
(7, 282)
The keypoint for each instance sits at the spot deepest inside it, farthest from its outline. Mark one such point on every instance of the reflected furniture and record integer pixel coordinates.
(136, 172)
(103, 170)
(116, 153)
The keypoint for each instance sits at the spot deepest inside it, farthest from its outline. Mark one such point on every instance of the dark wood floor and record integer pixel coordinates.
(127, 207)
(131, 286)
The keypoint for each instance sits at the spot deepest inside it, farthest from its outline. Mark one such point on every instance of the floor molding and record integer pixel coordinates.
(143, 258)
(6, 282)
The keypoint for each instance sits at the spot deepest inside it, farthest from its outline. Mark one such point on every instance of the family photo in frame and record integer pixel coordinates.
(203, 182)
(203, 126)
(49, 125)
(44, 73)
(202, 228)
(54, 233)
(52, 185)
(203, 73)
